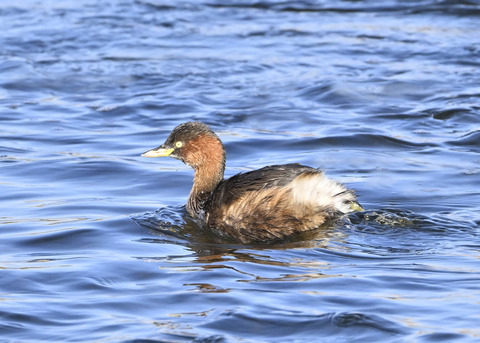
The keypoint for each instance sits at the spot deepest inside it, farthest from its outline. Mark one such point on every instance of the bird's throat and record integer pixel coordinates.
(205, 180)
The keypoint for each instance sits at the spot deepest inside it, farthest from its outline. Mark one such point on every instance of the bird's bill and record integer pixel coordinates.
(158, 152)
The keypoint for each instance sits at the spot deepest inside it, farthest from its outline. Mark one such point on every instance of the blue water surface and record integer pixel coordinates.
(96, 244)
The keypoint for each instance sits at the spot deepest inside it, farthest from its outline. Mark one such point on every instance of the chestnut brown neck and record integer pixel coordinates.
(207, 157)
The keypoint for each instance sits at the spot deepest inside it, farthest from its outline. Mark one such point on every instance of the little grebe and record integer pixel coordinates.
(263, 205)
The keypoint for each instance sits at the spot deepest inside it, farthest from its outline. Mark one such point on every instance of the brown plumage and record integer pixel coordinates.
(263, 205)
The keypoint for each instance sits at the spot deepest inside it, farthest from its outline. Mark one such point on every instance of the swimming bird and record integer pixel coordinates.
(263, 205)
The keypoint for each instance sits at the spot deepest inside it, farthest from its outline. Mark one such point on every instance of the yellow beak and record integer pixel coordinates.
(158, 152)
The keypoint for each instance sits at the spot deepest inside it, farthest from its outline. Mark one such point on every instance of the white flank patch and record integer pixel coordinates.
(317, 190)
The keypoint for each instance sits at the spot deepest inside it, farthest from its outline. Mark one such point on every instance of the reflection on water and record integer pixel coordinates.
(390, 241)
(96, 242)
(176, 222)
(395, 227)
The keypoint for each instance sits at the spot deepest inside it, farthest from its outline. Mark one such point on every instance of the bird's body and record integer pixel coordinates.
(262, 205)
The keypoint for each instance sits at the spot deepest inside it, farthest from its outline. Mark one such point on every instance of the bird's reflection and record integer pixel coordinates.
(172, 224)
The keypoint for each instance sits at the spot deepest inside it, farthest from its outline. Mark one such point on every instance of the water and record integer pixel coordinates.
(384, 95)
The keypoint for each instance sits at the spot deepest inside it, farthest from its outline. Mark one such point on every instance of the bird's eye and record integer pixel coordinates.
(179, 144)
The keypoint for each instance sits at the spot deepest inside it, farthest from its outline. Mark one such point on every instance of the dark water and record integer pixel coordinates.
(384, 95)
